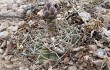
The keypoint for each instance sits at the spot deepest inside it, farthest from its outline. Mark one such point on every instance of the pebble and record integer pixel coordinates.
(18, 1)
(58, 50)
(56, 1)
(98, 63)
(106, 19)
(3, 34)
(72, 68)
(21, 23)
(100, 53)
(85, 16)
(23, 6)
(7, 1)
(1, 51)
(40, 13)
(3, 26)
(12, 28)
(8, 58)
(29, 12)
(59, 16)
(20, 11)
(106, 5)
(14, 59)
(23, 68)
(93, 47)
(15, 7)
(105, 34)
(31, 22)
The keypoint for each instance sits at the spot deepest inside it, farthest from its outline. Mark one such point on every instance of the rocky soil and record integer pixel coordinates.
(54, 35)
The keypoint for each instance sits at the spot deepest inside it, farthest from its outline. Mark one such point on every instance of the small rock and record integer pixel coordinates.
(8, 66)
(12, 28)
(48, 63)
(53, 39)
(56, 69)
(29, 12)
(66, 60)
(1, 51)
(20, 11)
(23, 6)
(14, 59)
(56, 1)
(18, 1)
(72, 68)
(98, 63)
(41, 24)
(50, 68)
(3, 26)
(8, 58)
(3, 34)
(11, 13)
(85, 16)
(70, 62)
(105, 34)
(106, 5)
(100, 53)
(93, 48)
(61, 20)
(106, 19)
(31, 22)
(69, 5)
(23, 68)
(33, 67)
(58, 50)
(78, 49)
(6, 1)
(59, 16)
(21, 23)
(3, 11)
(41, 3)
(40, 13)
(107, 49)
(15, 7)
(98, 43)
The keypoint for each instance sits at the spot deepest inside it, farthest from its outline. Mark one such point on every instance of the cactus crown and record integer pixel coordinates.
(49, 11)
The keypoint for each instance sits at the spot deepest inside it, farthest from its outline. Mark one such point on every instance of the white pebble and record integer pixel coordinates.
(100, 53)
(85, 16)
(3, 34)
(105, 34)
(40, 13)
(12, 28)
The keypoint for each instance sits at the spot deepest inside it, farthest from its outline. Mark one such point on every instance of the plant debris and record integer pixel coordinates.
(55, 35)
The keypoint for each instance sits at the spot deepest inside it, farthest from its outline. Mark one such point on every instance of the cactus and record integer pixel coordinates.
(46, 13)
(48, 5)
(49, 14)
(49, 11)
(52, 10)
(45, 8)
